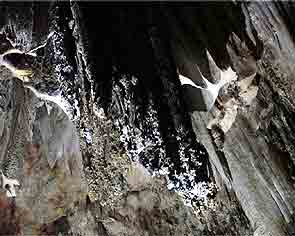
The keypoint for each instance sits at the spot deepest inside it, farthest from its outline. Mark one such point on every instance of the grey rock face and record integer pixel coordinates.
(253, 152)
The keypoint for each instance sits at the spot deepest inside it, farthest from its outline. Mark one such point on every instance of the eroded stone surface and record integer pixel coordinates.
(249, 137)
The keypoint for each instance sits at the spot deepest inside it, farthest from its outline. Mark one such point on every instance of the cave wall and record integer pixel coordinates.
(117, 68)
(180, 36)
(256, 149)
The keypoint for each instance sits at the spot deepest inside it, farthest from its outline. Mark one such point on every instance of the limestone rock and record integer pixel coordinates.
(142, 146)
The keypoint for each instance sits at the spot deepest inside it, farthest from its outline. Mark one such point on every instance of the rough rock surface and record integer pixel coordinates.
(256, 151)
(229, 171)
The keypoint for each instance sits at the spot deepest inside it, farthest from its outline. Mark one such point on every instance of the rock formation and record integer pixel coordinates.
(112, 139)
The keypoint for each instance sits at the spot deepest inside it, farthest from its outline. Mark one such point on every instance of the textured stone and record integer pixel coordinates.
(117, 67)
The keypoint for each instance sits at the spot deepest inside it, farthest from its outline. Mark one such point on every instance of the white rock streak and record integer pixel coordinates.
(58, 99)
(9, 185)
(21, 74)
(210, 92)
(33, 51)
